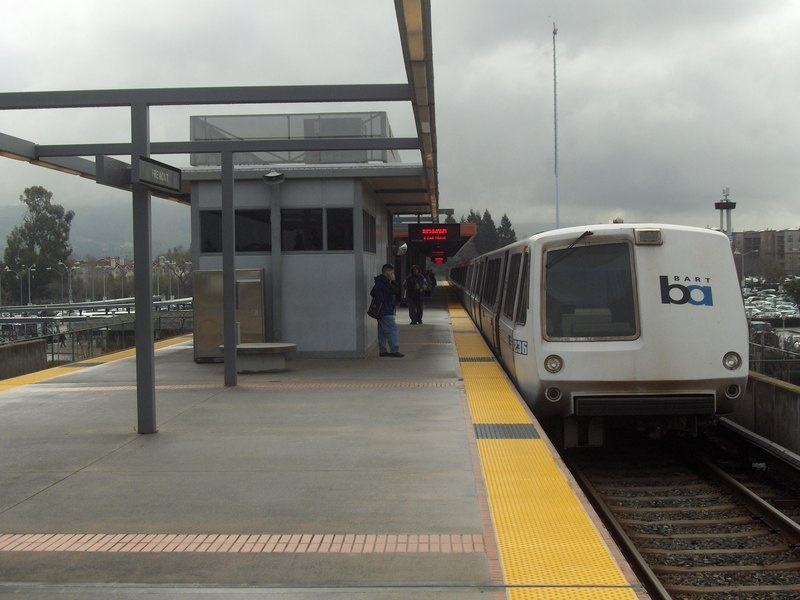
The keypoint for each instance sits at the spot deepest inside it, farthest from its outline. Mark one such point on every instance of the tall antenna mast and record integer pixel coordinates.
(555, 118)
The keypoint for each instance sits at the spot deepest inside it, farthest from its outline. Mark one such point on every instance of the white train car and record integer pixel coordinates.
(642, 321)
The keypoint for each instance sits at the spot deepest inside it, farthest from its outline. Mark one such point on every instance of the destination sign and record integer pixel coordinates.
(446, 232)
(159, 175)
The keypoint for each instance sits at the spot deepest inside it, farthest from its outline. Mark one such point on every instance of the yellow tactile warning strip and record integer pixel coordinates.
(54, 372)
(549, 548)
(470, 344)
(277, 543)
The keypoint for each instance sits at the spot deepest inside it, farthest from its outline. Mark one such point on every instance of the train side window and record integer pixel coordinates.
(511, 285)
(522, 303)
(492, 282)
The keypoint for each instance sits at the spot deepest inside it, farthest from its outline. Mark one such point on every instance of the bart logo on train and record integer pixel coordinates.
(677, 293)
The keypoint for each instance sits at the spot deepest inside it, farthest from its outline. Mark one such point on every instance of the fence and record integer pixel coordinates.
(774, 362)
(66, 342)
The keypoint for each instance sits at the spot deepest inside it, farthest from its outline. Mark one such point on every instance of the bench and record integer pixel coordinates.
(261, 357)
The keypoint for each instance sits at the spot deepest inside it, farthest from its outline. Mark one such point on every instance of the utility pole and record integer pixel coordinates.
(555, 120)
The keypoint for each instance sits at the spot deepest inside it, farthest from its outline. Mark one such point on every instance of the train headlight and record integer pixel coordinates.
(553, 363)
(553, 394)
(731, 361)
(733, 391)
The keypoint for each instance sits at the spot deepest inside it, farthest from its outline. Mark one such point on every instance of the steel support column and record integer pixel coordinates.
(276, 261)
(143, 291)
(229, 270)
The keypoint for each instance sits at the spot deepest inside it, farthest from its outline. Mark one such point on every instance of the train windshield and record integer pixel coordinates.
(589, 293)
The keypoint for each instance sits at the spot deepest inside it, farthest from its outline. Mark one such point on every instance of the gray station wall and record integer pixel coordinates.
(323, 294)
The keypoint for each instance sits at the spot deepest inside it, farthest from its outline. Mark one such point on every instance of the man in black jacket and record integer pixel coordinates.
(386, 290)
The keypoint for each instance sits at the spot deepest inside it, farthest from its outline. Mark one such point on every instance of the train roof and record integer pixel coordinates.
(610, 227)
(574, 232)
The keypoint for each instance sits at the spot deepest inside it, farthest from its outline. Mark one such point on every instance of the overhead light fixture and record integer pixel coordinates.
(274, 177)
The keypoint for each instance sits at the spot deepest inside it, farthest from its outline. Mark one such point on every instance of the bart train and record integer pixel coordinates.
(642, 322)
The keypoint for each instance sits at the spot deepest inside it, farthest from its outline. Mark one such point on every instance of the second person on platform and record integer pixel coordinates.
(416, 284)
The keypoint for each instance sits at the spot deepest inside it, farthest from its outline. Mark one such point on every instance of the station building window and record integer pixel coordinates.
(301, 229)
(252, 230)
(340, 228)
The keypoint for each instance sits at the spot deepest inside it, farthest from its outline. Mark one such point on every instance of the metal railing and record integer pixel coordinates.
(71, 341)
(775, 362)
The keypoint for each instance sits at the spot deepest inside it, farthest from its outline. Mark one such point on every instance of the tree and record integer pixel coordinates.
(505, 233)
(792, 289)
(772, 271)
(42, 240)
(489, 237)
(175, 263)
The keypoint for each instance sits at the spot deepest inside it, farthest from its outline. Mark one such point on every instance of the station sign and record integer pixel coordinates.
(430, 232)
(157, 175)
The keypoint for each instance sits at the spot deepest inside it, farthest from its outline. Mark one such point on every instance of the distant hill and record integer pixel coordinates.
(108, 230)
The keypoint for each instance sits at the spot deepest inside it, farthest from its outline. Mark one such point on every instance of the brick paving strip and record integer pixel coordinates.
(244, 543)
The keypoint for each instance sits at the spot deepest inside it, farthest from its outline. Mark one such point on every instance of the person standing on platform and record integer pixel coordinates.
(386, 291)
(415, 287)
(431, 282)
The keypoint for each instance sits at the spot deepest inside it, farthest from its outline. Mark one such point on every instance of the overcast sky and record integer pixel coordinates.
(661, 103)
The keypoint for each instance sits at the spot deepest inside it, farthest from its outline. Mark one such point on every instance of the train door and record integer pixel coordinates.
(471, 289)
(524, 343)
(501, 284)
(490, 300)
(506, 319)
(479, 286)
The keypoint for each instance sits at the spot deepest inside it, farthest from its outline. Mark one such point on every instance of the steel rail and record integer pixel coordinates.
(771, 515)
(649, 579)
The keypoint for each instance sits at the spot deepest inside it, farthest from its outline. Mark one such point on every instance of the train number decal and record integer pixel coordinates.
(677, 293)
(519, 346)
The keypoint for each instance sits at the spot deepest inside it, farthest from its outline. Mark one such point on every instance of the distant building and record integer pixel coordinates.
(757, 252)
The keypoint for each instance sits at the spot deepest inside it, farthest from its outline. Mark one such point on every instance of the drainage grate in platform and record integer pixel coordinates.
(505, 431)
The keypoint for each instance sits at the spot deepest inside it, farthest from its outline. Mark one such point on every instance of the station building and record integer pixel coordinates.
(319, 225)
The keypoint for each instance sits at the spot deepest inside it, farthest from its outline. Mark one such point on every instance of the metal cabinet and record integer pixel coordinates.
(208, 311)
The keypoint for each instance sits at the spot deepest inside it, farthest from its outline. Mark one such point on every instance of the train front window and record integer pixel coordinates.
(589, 293)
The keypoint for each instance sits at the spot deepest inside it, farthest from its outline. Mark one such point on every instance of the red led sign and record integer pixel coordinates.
(447, 232)
(434, 234)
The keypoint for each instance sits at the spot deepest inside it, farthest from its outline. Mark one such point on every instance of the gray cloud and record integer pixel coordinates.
(661, 104)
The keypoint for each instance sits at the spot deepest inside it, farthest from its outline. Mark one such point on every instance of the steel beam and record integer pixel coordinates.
(199, 147)
(289, 94)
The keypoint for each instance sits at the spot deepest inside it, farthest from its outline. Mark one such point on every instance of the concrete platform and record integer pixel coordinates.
(373, 447)
(344, 478)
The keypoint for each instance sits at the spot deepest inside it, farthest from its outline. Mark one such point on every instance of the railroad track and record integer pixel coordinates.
(689, 527)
